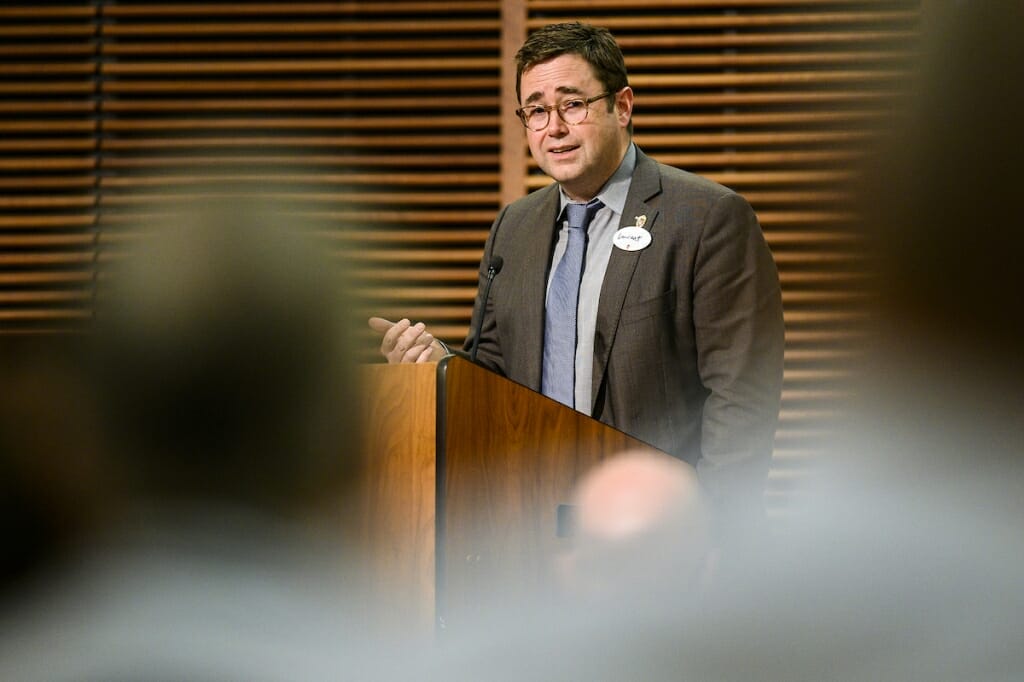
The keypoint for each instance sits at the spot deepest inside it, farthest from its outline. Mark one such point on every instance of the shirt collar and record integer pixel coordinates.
(613, 194)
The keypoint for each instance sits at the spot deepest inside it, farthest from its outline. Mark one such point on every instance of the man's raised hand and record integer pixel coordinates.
(404, 341)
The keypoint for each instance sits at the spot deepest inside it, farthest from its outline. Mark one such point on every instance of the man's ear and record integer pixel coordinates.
(624, 105)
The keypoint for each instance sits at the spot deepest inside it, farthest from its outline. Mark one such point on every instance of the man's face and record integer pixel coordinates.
(580, 157)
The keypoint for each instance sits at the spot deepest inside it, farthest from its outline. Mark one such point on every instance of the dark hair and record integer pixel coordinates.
(594, 44)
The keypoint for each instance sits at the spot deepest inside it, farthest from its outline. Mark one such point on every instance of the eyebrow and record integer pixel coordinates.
(564, 89)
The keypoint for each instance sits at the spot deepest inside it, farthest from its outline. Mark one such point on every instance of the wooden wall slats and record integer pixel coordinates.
(727, 20)
(82, 182)
(401, 236)
(25, 320)
(37, 297)
(340, 180)
(34, 12)
(732, 159)
(789, 98)
(49, 69)
(8, 241)
(51, 89)
(11, 50)
(763, 139)
(229, 9)
(387, 125)
(233, 27)
(762, 61)
(311, 199)
(735, 80)
(470, 257)
(379, 115)
(7, 278)
(428, 44)
(302, 65)
(413, 274)
(448, 218)
(320, 142)
(293, 85)
(49, 258)
(333, 162)
(47, 162)
(36, 221)
(587, 5)
(433, 294)
(82, 31)
(44, 202)
(291, 104)
(804, 119)
(814, 39)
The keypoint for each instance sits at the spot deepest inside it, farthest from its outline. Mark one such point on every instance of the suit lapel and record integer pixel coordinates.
(645, 185)
(537, 237)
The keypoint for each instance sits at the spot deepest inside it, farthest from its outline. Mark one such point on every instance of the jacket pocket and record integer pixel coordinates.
(663, 304)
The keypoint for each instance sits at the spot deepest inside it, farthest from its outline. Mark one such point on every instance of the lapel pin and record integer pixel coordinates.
(641, 220)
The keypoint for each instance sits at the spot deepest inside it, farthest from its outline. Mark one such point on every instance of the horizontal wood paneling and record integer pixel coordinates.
(48, 148)
(382, 117)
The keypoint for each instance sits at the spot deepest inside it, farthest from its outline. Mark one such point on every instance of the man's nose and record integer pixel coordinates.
(556, 126)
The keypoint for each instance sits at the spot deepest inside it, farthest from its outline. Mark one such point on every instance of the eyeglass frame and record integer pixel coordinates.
(558, 108)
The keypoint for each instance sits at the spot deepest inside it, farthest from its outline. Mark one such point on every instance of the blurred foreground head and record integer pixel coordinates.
(224, 363)
(53, 482)
(642, 527)
(942, 205)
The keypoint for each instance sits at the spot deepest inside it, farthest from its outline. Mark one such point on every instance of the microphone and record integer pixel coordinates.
(493, 268)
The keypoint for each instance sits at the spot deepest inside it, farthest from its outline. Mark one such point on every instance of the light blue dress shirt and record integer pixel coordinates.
(599, 249)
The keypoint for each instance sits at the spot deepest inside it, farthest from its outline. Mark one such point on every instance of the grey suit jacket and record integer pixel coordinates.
(689, 341)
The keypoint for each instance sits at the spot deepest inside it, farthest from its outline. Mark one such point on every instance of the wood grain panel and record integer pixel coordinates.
(396, 514)
(504, 478)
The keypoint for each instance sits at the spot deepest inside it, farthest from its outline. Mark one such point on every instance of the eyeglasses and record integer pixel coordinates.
(573, 111)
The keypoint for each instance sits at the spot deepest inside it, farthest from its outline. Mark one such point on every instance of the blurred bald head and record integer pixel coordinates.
(642, 524)
(636, 493)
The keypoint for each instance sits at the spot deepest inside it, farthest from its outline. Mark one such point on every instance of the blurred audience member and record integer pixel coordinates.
(643, 515)
(52, 494)
(225, 390)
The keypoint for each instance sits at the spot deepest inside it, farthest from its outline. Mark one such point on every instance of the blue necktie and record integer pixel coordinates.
(559, 377)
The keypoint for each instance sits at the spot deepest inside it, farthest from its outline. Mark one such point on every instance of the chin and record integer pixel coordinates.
(564, 175)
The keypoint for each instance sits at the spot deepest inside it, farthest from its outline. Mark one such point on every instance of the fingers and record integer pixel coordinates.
(389, 344)
(403, 341)
(418, 351)
(380, 325)
(412, 342)
(427, 355)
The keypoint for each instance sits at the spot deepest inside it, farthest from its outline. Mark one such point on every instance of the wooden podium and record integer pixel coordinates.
(467, 486)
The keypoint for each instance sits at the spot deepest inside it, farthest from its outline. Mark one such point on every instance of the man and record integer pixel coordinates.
(679, 331)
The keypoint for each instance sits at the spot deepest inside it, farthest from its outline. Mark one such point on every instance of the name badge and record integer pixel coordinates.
(633, 238)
